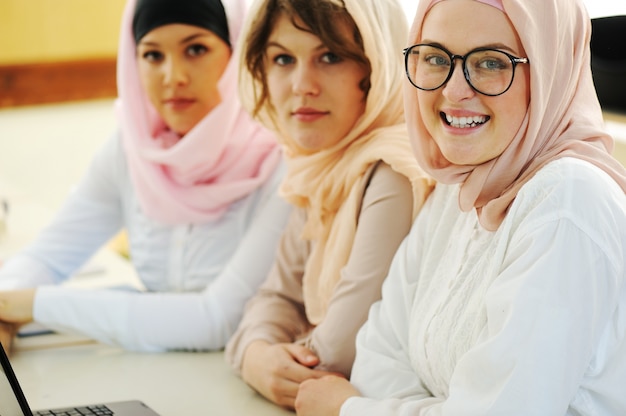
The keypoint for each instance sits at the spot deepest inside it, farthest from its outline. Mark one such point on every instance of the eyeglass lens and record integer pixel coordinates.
(488, 71)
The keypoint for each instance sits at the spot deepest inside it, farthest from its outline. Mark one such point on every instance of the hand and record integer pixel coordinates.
(323, 396)
(276, 370)
(16, 306)
(7, 333)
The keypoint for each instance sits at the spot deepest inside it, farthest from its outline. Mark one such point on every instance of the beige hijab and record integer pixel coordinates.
(330, 183)
(564, 118)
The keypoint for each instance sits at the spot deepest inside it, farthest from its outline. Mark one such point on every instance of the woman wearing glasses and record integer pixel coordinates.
(508, 297)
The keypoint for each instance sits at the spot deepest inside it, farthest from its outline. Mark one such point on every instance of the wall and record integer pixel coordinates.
(57, 50)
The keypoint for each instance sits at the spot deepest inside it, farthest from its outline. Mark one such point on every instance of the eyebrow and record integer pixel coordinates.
(499, 46)
(269, 44)
(188, 39)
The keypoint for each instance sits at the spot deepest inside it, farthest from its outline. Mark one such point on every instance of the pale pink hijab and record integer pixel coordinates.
(225, 157)
(564, 118)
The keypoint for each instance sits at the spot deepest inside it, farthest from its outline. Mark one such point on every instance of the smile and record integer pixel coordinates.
(464, 122)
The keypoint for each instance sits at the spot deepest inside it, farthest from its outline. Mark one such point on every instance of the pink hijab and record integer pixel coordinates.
(563, 119)
(193, 179)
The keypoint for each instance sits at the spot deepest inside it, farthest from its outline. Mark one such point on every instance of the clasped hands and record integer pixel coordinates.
(285, 374)
(16, 309)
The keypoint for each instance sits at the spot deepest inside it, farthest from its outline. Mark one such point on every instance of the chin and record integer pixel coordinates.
(179, 128)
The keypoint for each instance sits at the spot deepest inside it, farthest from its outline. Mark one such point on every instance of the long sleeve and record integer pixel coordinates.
(382, 369)
(384, 221)
(202, 320)
(550, 326)
(88, 218)
(198, 276)
(277, 313)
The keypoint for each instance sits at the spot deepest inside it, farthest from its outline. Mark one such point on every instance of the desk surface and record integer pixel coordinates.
(172, 383)
(64, 370)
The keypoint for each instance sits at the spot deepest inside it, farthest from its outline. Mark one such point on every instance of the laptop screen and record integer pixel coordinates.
(8, 405)
(12, 401)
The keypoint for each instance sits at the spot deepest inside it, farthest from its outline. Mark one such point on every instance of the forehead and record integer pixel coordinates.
(462, 25)
(284, 31)
(174, 32)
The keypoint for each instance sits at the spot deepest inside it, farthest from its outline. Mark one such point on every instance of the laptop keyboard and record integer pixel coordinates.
(77, 411)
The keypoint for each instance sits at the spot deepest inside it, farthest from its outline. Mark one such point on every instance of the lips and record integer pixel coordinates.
(465, 122)
(308, 114)
(179, 103)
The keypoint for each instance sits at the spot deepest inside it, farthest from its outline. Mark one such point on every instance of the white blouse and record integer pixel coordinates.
(198, 276)
(527, 320)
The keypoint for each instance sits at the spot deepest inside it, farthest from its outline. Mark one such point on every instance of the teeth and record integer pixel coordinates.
(465, 122)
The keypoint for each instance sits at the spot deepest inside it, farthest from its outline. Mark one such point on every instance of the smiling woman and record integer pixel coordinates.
(519, 254)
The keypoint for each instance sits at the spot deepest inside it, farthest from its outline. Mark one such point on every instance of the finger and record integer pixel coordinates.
(303, 355)
(280, 389)
(298, 373)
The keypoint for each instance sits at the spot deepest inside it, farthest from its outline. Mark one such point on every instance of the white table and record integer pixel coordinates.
(62, 370)
(173, 384)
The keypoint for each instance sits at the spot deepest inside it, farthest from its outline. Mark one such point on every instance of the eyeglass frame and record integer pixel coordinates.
(515, 60)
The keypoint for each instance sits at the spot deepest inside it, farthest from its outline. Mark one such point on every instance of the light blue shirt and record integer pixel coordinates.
(198, 276)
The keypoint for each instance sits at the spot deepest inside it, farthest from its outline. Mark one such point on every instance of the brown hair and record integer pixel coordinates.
(323, 18)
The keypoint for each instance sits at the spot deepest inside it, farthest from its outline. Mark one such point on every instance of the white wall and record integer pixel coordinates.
(596, 8)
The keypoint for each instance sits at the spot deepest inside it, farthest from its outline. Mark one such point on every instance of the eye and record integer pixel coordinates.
(152, 56)
(492, 64)
(196, 49)
(283, 59)
(331, 58)
(489, 61)
(437, 60)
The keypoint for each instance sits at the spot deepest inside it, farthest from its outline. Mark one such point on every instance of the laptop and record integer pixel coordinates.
(13, 402)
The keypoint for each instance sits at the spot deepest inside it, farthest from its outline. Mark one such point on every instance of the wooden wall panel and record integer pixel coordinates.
(43, 83)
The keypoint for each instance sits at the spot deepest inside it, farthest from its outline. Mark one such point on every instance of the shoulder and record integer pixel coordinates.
(381, 179)
(570, 182)
(108, 175)
(112, 147)
(387, 198)
(570, 190)
(111, 155)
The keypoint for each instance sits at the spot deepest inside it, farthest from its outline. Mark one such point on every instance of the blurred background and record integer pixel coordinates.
(57, 50)
(57, 86)
(57, 89)
(64, 50)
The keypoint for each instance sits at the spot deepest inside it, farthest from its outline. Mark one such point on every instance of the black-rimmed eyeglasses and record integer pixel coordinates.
(488, 71)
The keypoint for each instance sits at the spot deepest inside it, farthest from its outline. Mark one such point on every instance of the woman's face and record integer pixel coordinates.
(179, 67)
(471, 128)
(314, 92)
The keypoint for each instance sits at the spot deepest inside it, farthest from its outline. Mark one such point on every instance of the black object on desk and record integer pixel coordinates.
(13, 401)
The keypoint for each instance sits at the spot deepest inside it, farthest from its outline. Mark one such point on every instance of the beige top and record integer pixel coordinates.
(277, 312)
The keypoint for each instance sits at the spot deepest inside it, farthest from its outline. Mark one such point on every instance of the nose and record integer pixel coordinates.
(304, 80)
(457, 88)
(175, 73)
